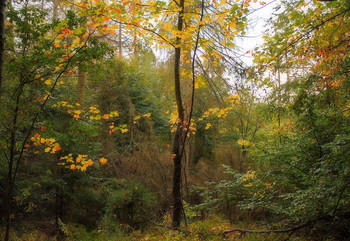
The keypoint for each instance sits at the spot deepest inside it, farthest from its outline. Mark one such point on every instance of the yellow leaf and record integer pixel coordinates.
(76, 40)
(208, 126)
(114, 113)
(89, 163)
(242, 142)
(124, 130)
(103, 161)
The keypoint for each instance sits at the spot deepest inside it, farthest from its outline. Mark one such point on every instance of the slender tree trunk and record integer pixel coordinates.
(2, 41)
(177, 158)
(11, 166)
(187, 100)
(120, 46)
(135, 47)
(180, 134)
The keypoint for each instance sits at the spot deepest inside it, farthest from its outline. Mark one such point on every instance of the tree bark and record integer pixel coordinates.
(11, 166)
(2, 42)
(180, 134)
(120, 45)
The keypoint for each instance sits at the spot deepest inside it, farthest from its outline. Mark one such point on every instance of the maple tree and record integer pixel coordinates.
(40, 60)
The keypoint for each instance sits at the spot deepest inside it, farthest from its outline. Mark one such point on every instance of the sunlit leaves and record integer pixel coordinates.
(50, 145)
(79, 162)
(208, 125)
(312, 36)
(103, 161)
(243, 143)
(155, 20)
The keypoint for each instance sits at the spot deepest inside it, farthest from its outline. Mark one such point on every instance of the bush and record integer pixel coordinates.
(128, 204)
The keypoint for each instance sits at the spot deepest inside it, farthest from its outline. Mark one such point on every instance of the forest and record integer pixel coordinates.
(153, 120)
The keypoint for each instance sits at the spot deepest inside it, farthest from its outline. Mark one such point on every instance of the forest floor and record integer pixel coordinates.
(206, 230)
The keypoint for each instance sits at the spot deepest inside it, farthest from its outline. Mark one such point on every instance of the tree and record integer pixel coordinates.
(2, 41)
(35, 67)
(301, 175)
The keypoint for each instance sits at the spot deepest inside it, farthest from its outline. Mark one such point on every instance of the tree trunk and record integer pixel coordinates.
(120, 45)
(11, 169)
(2, 42)
(180, 134)
(135, 47)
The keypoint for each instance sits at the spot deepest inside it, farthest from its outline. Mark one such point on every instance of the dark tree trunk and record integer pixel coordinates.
(177, 157)
(180, 134)
(2, 41)
(12, 166)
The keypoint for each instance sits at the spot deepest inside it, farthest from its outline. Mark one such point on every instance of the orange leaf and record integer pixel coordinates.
(56, 148)
(103, 161)
(89, 163)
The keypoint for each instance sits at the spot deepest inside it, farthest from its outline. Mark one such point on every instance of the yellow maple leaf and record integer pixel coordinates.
(242, 142)
(103, 161)
(114, 113)
(124, 130)
(48, 82)
(208, 126)
(89, 163)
